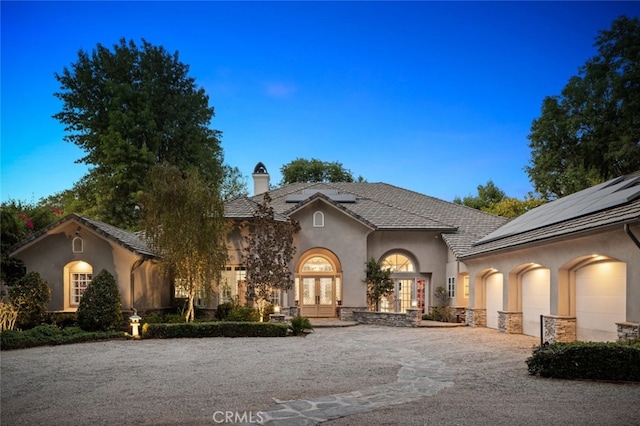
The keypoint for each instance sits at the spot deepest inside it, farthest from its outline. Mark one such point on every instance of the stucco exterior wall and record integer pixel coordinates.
(343, 236)
(562, 257)
(53, 252)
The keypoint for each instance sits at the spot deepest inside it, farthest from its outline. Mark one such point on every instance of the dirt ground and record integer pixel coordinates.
(187, 381)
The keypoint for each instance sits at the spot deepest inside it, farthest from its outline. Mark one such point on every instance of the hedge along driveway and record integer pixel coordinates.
(185, 381)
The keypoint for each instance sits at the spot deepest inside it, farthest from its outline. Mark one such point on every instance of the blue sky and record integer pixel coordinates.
(435, 97)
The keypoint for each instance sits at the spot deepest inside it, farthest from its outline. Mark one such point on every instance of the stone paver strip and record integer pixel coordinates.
(417, 377)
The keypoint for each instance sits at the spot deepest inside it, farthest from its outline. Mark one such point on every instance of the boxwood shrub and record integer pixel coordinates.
(214, 329)
(49, 335)
(587, 360)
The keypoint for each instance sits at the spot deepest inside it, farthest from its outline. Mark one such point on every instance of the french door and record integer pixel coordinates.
(318, 297)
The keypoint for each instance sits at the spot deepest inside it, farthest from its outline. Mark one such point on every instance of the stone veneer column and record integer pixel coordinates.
(558, 329)
(476, 317)
(413, 317)
(628, 330)
(510, 322)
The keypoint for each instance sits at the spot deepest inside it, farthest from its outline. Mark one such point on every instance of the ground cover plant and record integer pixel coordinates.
(587, 360)
(214, 329)
(50, 335)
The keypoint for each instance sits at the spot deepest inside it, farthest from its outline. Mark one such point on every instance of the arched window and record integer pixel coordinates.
(78, 275)
(397, 263)
(318, 220)
(77, 245)
(317, 264)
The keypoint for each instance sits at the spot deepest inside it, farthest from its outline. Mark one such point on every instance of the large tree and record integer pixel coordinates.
(491, 199)
(303, 170)
(184, 220)
(591, 132)
(487, 195)
(128, 108)
(268, 251)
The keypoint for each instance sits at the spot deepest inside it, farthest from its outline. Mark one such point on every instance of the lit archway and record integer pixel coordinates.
(77, 276)
(318, 284)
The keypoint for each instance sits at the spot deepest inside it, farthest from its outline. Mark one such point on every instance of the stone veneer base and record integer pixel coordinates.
(628, 330)
(558, 329)
(510, 322)
(476, 317)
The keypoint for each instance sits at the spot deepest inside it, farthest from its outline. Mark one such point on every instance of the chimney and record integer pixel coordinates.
(260, 179)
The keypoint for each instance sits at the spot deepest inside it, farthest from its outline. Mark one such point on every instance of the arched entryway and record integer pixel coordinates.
(600, 298)
(409, 287)
(318, 288)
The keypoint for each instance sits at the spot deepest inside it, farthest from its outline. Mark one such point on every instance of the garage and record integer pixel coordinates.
(494, 299)
(600, 300)
(536, 292)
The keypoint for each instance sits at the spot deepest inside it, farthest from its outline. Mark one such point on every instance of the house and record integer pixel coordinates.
(69, 252)
(569, 269)
(343, 225)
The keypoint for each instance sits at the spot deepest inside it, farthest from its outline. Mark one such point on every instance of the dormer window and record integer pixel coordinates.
(318, 220)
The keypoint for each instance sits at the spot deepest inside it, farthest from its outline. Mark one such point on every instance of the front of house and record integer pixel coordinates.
(342, 225)
(570, 268)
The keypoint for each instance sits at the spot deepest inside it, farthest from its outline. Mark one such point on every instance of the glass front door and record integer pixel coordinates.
(318, 297)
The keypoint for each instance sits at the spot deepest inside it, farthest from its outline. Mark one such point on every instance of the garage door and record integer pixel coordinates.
(536, 300)
(600, 300)
(494, 299)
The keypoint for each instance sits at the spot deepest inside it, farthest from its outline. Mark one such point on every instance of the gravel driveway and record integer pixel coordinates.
(476, 377)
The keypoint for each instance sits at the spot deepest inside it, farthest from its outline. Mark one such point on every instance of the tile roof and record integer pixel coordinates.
(614, 202)
(124, 238)
(386, 207)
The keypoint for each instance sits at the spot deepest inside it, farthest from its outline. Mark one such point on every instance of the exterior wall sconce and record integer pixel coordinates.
(339, 302)
(296, 303)
(134, 321)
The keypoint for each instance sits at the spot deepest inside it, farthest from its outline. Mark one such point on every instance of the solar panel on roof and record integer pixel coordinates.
(600, 197)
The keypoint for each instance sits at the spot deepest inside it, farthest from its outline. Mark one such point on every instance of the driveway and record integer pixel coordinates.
(362, 375)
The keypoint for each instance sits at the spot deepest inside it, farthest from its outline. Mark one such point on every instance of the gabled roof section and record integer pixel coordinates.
(614, 202)
(244, 208)
(126, 239)
(387, 207)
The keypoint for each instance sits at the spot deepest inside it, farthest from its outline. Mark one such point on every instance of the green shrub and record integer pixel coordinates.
(63, 319)
(300, 326)
(174, 318)
(243, 314)
(223, 310)
(214, 329)
(587, 360)
(30, 295)
(269, 309)
(441, 313)
(100, 308)
(152, 319)
(48, 335)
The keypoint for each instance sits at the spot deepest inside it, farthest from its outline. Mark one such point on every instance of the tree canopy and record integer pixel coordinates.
(268, 251)
(128, 108)
(184, 220)
(491, 199)
(303, 170)
(591, 132)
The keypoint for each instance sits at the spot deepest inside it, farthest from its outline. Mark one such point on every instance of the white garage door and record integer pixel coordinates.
(536, 300)
(494, 299)
(600, 300)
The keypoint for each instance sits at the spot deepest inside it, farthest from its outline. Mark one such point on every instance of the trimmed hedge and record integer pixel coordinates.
(50, 335)
(214, 329)
(587, 360)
